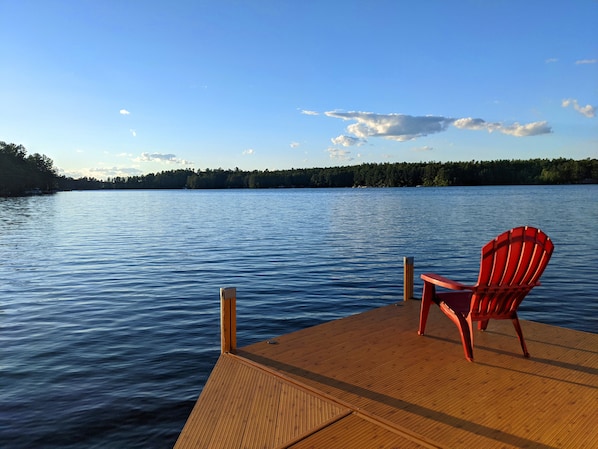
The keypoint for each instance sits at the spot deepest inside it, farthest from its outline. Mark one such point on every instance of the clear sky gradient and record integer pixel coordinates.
(125, 87)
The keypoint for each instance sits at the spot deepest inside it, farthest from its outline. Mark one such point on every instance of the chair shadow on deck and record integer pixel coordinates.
(396, 403)
(551, 362)
(491, 331)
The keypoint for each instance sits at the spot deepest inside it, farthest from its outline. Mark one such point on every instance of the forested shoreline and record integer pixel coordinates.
(20, 174)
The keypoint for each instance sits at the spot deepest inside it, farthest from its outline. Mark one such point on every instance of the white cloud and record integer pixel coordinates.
(347, 141)
(588, 110)
(402, 127)
(307, 112)
(162, 158)
(516, 129)
(474, 124)
(124, 112)
(551, 60)
(529, 129)
(587, 61)
(294, 144)
(340, 154)
(399, 127)
(249, 152)
(133, 132)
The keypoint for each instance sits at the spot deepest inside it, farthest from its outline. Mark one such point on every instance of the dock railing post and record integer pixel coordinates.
(407, 278)
(228, 319)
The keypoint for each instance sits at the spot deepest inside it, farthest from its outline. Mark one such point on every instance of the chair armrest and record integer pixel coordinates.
(441, 281)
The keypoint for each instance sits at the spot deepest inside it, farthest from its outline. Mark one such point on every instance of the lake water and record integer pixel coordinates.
(109, 301)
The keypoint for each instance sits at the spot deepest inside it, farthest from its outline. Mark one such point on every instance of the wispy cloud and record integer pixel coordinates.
(133, 132)
(588, 110)
(551, 60)
(294, 144)
(516, 129)
(124, 112)
(339, 154)
(307, 112)
(248, 152)
(586, 61)
(402, 127)
(162, 158)
(423, 149)
(111, 172)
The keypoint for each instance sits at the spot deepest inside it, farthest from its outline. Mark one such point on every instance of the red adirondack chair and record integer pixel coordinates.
(511, 266)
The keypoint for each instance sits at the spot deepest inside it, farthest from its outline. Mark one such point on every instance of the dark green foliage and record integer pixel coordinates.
(20, 174)
(473, 173)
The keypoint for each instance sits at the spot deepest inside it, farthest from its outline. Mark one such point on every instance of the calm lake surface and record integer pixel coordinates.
(109, 301)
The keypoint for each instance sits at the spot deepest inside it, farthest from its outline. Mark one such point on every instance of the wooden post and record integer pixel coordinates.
(407, 278)
(228, 319)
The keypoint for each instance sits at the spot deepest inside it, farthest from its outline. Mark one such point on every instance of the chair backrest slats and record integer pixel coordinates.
(517, 259)
(510, 267)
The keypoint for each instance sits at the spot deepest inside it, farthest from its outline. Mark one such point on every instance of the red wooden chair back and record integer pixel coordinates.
(511, 266)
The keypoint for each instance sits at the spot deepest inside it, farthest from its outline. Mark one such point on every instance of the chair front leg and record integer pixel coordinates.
(427, 299)
(467, 339)
(465, 326)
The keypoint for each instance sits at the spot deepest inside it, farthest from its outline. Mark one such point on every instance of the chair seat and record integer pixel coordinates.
(456, 301)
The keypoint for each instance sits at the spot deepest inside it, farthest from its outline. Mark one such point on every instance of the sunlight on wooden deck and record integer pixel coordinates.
(370, 381)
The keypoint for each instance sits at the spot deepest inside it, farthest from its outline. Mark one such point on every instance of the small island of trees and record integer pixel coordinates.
(21, 174)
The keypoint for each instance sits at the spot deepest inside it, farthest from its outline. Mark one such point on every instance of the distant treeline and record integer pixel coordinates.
(401, 174)
(20, 174)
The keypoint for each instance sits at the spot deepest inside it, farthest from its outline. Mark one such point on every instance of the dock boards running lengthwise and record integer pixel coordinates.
(370, 381)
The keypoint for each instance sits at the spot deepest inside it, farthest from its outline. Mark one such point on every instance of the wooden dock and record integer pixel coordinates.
(369, 381)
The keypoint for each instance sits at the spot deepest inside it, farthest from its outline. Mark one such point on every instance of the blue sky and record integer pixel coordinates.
(116, 88)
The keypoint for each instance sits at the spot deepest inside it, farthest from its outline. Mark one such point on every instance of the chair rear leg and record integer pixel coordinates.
(520, 335)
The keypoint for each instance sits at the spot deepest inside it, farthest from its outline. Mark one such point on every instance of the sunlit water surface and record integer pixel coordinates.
(109, 301)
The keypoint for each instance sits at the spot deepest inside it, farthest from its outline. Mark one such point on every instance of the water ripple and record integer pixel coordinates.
(109, 303)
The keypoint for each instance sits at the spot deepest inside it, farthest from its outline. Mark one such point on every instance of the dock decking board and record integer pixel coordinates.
(245, 407)
(354, 432)
(376, 365)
